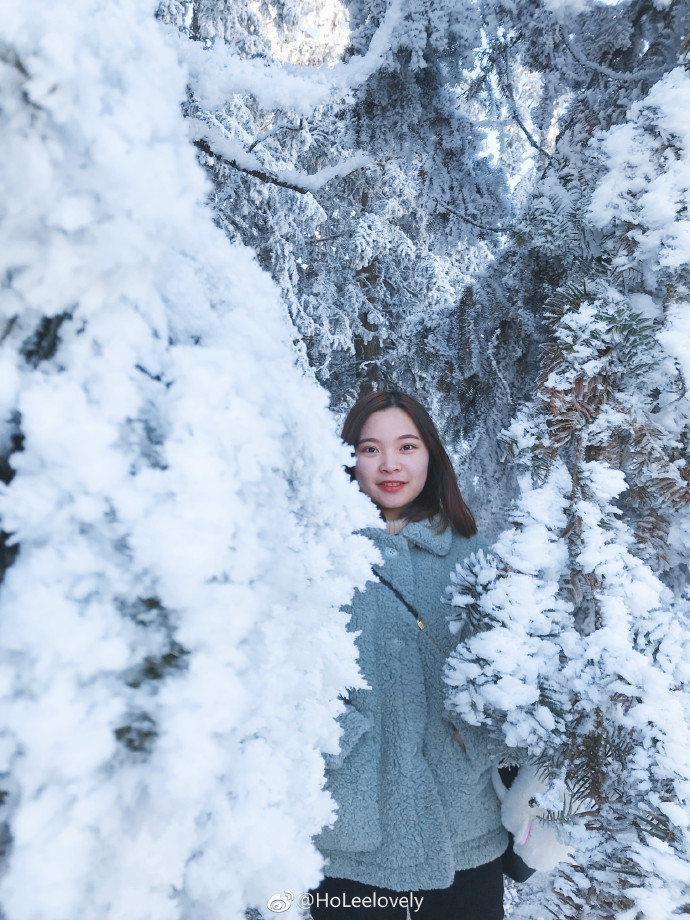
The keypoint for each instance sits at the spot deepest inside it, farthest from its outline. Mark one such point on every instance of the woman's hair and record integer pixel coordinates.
(441, 494)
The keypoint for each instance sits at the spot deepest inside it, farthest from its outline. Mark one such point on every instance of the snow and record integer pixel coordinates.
(225, 146)
(675, 338)
(654, 200)
(179, 503)
(645, 306)
(217, 74)
(508, 664)
(564, 9)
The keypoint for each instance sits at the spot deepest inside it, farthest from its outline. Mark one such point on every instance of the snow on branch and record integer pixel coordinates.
(636, 76)
(216, 75)
(172, 639)
(217, 143)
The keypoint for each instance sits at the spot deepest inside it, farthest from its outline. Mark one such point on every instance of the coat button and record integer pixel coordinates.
(391, 552)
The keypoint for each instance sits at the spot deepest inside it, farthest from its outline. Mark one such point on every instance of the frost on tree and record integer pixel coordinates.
(178, 524)
(579, 635)
(548, 75)
(363, 190)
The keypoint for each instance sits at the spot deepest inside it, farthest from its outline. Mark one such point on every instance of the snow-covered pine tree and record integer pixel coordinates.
(364, 189)
(583, 635)
(548, 76)
(171, 648)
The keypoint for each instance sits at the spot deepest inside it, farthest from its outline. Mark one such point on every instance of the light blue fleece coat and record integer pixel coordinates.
(413, 807)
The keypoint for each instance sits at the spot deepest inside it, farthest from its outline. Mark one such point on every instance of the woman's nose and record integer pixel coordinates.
(390, 463)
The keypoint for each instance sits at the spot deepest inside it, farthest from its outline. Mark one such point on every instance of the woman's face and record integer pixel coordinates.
(391, 461)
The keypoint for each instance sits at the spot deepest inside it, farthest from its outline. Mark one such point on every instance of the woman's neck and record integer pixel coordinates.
(395, 526)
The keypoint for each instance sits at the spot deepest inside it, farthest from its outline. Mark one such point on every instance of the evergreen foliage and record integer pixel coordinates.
(171, 641)
(581, 641)
(484, 203)
(426, 242)
(374, 255)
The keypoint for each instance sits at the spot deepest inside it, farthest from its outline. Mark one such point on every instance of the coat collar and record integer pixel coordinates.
(421, 533)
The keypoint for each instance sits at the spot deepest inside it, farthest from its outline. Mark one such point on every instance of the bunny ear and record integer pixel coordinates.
(498, 784)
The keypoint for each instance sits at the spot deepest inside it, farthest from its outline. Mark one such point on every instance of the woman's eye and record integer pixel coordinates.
(408, 445)
(367, 449)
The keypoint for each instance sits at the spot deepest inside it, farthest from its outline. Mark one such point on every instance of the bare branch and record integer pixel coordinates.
(444, 207)
(326, 239)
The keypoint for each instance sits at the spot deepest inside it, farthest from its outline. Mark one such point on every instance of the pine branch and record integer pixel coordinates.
(327, 239)
(255, 173)
(474, 223)
(507, 86)
(650, 75)
(272, 132)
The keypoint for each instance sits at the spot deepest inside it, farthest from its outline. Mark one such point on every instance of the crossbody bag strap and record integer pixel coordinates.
(415, 614)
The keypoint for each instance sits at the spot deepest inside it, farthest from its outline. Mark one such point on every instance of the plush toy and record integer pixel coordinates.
(535, 841)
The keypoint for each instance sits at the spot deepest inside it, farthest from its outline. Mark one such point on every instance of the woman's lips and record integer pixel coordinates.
(391, 486)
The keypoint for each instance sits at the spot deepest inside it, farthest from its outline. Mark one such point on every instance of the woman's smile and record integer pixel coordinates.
(392, 461)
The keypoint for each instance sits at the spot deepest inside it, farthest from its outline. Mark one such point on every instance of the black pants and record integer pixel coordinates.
(476, 894)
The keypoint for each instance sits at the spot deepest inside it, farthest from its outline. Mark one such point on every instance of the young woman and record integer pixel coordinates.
(418, 823)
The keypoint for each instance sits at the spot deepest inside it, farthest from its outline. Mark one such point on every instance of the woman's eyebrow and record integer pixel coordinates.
(401, 437)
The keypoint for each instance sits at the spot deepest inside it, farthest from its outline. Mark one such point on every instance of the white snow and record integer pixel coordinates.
(181, 480)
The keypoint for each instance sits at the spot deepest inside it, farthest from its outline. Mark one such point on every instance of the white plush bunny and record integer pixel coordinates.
(535, 841)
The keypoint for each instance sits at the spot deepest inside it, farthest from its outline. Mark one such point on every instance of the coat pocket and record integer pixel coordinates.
(483, 749)
(476, 753)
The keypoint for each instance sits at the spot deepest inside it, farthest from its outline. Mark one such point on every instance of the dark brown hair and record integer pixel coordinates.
(441, 493)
